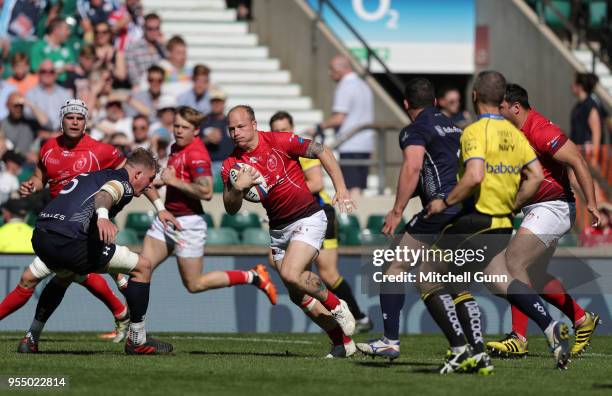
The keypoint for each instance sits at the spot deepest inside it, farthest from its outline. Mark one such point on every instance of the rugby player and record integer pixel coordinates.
(297, 222)
(549, 215)
(61, 159)
(327, 260)
(74, 236)
(429, 168)
(499, 173)
(188, 179)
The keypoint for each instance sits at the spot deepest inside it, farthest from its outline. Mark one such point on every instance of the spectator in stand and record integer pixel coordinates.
(165, 113)
(25, 16)
(53, 47)
(18, 128)
(198, 97)
(5, 90)
(120, 141)
(127, 22)
(150, 97)
(353, 106)
(21, 78)
(47, 95)
(115, 121)
(449, 102)
(15, 234)
(9, 175)
(77, 80)
(586, 120)
(214, 131)
(175, 65)
(92, 12)
(140, 129)
(147, 51)
(108, 56)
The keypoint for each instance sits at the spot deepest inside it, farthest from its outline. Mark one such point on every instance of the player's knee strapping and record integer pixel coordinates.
(469, 316)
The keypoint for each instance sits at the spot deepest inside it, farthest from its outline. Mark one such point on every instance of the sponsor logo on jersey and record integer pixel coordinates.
(554, 143)
(444, 130)
(502, 168)
(127, 188)
(57, 216)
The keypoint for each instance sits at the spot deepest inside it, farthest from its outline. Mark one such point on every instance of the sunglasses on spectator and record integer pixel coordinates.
(152, 28)
(105, 31)
(139, 127)
(151, 80)
(46, 71)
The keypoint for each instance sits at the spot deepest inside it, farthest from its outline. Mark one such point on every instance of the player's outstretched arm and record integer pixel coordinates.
(406, 185)
(569, 155)
(471, 179)
(532, 176)
(331, 166)
(35, 183)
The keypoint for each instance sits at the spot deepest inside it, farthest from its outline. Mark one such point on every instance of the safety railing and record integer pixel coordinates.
(370, 53)
(381, 162)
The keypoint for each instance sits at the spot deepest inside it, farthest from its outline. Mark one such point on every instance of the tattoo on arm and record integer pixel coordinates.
(314, 150)
(102, 199)
(203, 181)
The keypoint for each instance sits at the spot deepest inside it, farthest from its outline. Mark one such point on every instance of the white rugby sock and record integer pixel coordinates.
(137, 333)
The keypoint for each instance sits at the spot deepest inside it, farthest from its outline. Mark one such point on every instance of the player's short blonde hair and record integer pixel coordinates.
(143, 157)
(191, 115)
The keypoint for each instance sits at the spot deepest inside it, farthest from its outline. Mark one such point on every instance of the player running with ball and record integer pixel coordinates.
(297, 222)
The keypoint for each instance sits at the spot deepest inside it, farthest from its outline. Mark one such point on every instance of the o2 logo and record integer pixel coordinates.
(383, 10)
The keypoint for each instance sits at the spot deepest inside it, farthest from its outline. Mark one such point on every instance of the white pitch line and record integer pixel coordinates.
(272, 340)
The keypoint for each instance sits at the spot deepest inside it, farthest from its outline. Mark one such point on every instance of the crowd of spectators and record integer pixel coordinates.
(113, 56)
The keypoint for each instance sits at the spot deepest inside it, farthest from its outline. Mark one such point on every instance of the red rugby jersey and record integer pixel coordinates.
(276, 158)
(189, 162)
(546, 139)
(62, 163)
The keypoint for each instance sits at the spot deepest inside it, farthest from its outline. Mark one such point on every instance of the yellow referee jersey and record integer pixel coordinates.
(505, 151)
(308, 163)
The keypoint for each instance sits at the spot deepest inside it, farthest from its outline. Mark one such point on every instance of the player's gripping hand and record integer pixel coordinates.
(26, 188)
(344, 201)
(597, 218)
(392, 220)
(168, 218)
(168, 176)
(247, 178)
(436, 206)
(107, 231)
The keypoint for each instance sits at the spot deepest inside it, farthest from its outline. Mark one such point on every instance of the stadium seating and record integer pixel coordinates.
(222, 236)
(256, 237)
(210, 223)
(564, 7)
(370, 237)
(139, 222)
(376, 222)
(568, 240)
(348, 229)
(127, 237)
(217, 184)
(598, 10)
(240, 221)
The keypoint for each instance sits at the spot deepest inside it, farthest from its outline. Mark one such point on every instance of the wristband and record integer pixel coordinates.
(159, 205)
(445, 202)
(102, 213)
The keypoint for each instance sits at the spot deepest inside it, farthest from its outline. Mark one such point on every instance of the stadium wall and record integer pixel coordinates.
(244, 309)
(289, 29)
(530, 54)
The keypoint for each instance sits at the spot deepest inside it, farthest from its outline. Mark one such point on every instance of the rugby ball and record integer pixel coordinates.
(258, 192)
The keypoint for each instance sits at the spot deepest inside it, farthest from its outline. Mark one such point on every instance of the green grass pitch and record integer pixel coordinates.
(292, 364)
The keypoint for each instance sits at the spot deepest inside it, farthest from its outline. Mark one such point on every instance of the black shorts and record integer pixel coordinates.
(332, 223)
(60, 252)
(428, 230)
(477, 232)
(355, 176)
